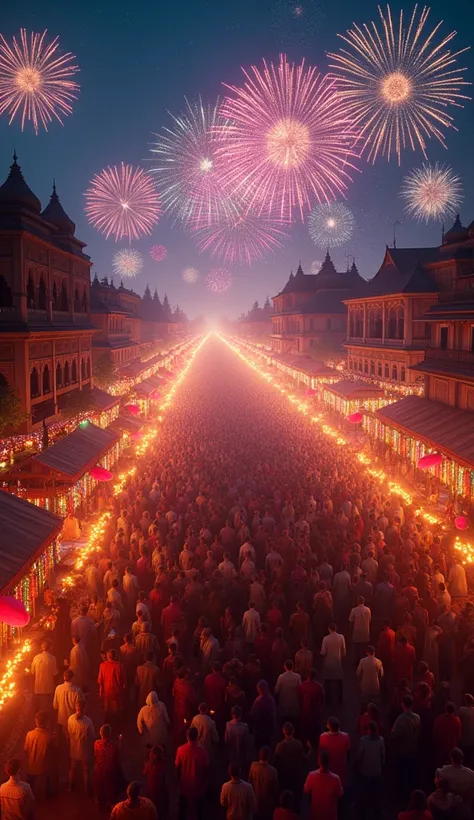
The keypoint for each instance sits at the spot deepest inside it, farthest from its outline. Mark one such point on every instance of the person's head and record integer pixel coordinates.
(216, 666)
(418, 801)
(450, 708)
(251, 604)
(361, 600)
(45, 645)
(373, 728)
(234, 771)
(128, 638)
(264, 754)
(133, 792)
(324, 759)
(404, 640)
(333, 724)
(468, 700)
(105, 731)
(407, 703)
(41, 719)
(304, 643)
(423, 667)
(288, 729)
(68, 675)
(287, 801)
(456, 756)
(289, 665)
(332, 627)
(111, 654)
(115, 583)
(84, 610)
(386, 623)
(203, 708)
(156, 754)
(370, 650)
(12, 767)
(146, 626)
(80, 708)
(236, 713)
(192, 734)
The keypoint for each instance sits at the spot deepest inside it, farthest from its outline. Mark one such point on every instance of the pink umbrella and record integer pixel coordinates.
(13, 612)
(430, 460)
(134, 409)
(355, 418)
(100, 474)
(461, 522)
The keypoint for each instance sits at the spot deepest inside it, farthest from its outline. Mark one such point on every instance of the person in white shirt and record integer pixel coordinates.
(81, 743)
(17, 800)
(237, 796)
(287, 691)
(131, 588)
(207, 732)
(44, 670)
(251, 623)
(65, 699)
(227, 568)
(333, 650)
(457, 582)
(360, 617)
(369, 673)
(247, 568)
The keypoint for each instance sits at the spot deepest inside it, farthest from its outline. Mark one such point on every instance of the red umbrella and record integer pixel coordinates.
(355, 418)
(430, 460)
(100, 474)
(13, 612)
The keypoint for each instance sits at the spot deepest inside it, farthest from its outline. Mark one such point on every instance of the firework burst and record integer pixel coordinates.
(432, 192)
(241, 236)
(186, 165)
(127, 262)
(331, 224)
(289, 140)
(158, 253)
(219, 280)
(36, 80)
(397, 83)
(123, 202)
(190, 275)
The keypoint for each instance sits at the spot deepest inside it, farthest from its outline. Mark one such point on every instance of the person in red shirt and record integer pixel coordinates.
(184, 704)
(403, 660)
(112, 686)
(447, 732)
(311, 696)
(425, 676)
(337, 744)
(171, 616)
(417, 809)
(274, 619)
(325, 790)
(285, 810)
(385, 645)
(192, 769)
(263, 648)
(215, 687)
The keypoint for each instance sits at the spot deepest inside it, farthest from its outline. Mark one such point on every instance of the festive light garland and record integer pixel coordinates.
(10, 678)
(465, 548)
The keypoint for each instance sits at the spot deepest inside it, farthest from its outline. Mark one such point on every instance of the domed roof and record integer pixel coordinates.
(57, 216)
(15, 193)
(456, 233)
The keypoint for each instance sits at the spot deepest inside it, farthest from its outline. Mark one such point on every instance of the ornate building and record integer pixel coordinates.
(116, 314)
(310, 313)
(389, 329)
(45, 321)
(257, 323)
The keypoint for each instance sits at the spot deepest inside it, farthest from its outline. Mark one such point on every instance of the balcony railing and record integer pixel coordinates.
(453, 296)
(455, 359)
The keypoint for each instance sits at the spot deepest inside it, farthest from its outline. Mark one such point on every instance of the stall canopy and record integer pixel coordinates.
(26, 532)
(146, 387)
(126, 424)
(102, 400)
(69, 458)
(349, 390)
(441, 427)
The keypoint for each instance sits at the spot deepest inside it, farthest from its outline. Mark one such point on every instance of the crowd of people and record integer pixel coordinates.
(266, 634)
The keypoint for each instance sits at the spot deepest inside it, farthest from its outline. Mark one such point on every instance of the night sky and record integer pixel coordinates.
(139, 59)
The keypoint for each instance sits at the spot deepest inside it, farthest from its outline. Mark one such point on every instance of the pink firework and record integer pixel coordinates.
(242, 236)
(158, 253)
(123, 202)
(219, 280)
(289, 141)
(36, 80)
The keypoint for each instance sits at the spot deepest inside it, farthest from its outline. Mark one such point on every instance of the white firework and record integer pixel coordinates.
(190, 275)
(127, 262)
(432, 192)
(331, 224)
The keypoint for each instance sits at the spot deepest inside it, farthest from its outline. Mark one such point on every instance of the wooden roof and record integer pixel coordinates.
(26, 530)
(348, 389)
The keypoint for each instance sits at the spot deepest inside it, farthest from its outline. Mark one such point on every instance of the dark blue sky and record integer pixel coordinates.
(139, 59)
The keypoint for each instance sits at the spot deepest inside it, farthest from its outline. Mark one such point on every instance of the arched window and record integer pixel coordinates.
(403, 374)
(84, 301)
(400, 323)
(392, 323)
(83, 369)
(379, 370)
(55, 297)
(30, 293)
(361, 366)
(34, 384)
(74, 372)
(64, 299)
(67, 380)
(366, 366)
(5, 293)
(42, 294)
(351, 324)
(394, 372)
(377, 323)
(59, 376)
(372, 368)
(88, 368)
(46, 380)
(77, 301)
(386, 372)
